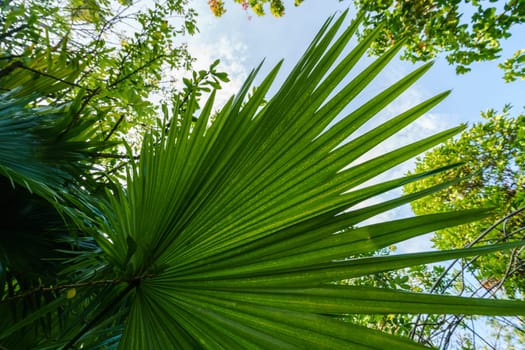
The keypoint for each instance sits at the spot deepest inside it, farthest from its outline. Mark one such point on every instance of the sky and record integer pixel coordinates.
(242, 40)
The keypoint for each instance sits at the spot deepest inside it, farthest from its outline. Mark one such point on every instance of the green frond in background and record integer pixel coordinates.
(44, 148)
(46, 156)
(233, 230)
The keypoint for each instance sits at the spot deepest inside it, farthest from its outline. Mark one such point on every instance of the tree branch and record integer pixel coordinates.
(74, 285)
(113, 156)
(49, 76)
(60, 287)
(114, 128)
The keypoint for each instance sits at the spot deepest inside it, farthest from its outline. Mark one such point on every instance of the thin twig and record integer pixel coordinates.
(75, 118)
(13, 31)
(49, 76)
(60, 287)
(113, 156)
(114, 128)
(138, 69)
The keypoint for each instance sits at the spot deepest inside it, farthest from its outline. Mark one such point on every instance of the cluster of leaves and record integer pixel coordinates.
(514, 67)
(257, 6)
(433, 26)
(201, 82)
(492, 153)
(429, 27)
(217, 7)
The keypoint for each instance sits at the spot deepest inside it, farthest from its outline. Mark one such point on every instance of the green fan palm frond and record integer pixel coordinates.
(233, 229)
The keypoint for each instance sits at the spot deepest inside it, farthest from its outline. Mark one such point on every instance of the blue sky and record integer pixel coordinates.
(242, 43)
(287, 37)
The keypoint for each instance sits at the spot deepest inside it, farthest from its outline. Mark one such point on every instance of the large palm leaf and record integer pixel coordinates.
(231, 230)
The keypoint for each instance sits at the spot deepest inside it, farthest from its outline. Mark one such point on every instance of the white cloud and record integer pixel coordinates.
(427, 125)
(231, 53)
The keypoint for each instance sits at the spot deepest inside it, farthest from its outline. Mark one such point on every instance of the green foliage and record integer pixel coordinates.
(201, 82)
(43, 147)
(217, 7)
(44, 163)
(514, 67)
(114, 63)
(232, 226)
(492, 153)
(433, 26)
(430, 27)
(123, 49)
(257, 6)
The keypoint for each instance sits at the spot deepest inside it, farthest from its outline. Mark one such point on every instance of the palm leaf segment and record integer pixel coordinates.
(233, 228)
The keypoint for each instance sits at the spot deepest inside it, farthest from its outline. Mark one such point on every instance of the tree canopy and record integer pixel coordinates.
(122, 57)
(120, 49)
(492, 153)
(465, 31)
